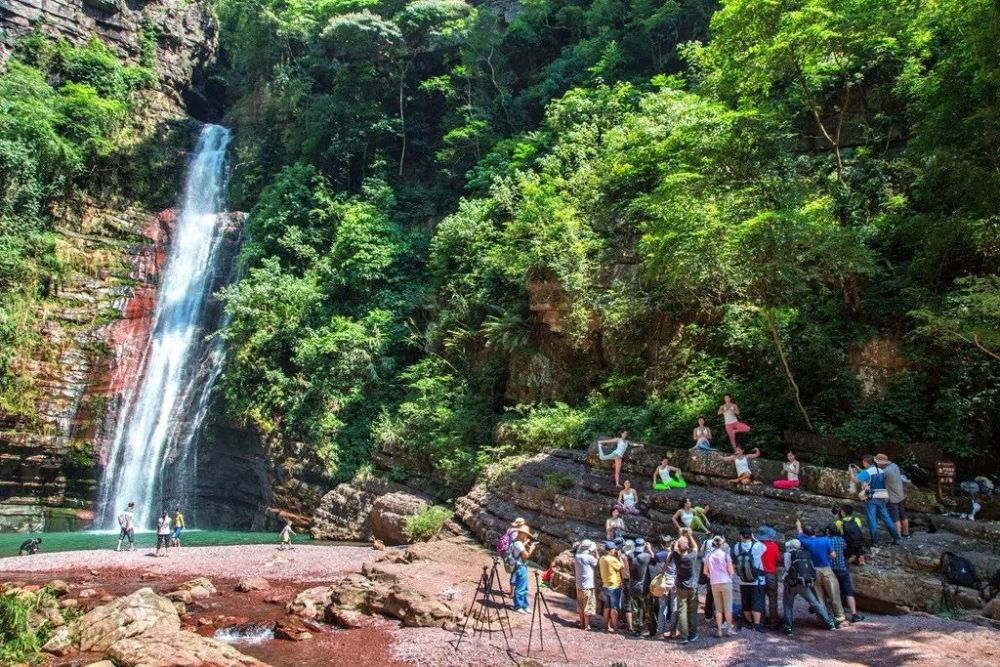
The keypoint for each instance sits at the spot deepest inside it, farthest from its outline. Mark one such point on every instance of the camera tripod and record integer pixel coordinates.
(536, 611)
(487, 603)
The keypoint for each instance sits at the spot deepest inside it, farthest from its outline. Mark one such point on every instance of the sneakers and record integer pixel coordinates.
(718, 633)
(520, 611)
(730, 632)
(758, 627)
(788, 631)
(857, 618)
(831, 626)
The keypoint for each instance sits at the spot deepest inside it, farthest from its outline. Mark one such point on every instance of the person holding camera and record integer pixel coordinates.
(611, 584)
(876, 497)
(522, 550)
(584, 564)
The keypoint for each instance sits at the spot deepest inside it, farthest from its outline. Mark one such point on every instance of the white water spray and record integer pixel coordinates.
(161, 417)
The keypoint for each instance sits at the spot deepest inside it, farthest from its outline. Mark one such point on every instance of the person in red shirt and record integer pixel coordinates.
(769, 560)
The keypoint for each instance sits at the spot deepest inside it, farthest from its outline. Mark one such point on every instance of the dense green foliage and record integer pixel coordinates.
(425, 524)
(474, 235)
(24, 628)
(61, 108)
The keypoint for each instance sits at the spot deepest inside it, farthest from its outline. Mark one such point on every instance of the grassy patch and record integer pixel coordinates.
(426, 524)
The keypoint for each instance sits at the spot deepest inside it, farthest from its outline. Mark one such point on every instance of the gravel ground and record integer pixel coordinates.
(891, 641)
(304, 564)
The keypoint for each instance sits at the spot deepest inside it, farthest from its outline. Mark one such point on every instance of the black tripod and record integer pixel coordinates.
(536, 610)
(486, 605)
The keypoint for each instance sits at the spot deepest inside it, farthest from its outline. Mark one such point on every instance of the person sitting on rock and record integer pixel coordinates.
(628, 499)
(667, 476)
(614, 527)
(29, 547)
(694, 518)
(791, 470)
(742, 461)
(617, 454)
(731, 415)
(702, 435)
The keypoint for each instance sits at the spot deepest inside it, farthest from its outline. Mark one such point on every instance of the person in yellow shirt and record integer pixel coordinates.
(611, 584)
(178, 527)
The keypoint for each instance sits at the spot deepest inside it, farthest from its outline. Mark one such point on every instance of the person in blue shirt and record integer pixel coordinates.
(872, 479)
(822, 553)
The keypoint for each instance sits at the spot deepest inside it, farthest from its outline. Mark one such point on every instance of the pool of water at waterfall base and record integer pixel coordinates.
(106, 539)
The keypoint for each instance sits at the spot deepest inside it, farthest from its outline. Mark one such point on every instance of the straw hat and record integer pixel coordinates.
(881, 460)
(517, 523)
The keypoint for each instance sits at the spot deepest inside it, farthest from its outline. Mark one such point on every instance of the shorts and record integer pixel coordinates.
(897, 511)
(752, 598)
(177, 532)
(846, 585)
(722, 595)
(612, 598)
(586, 601)
(162, 540)
(855, 550)
(626, 594)
(129, 533)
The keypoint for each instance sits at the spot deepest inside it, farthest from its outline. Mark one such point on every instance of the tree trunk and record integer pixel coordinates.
(773, 326)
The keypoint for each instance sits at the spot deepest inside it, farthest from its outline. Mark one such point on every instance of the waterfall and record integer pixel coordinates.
(153, 454)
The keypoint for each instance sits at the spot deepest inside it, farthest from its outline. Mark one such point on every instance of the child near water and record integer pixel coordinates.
(286, 537)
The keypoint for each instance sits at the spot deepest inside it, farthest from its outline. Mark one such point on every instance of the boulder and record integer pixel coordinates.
(58, 587)
(344, 513)
(199, 582)
(293, 629)
(87, 593)
(311, 602)
(139, 613)
(389, 513)
(247, 584)
(102, 663)
(345, 618)
(69, 603)
(177, 648)
(992, 609)
(199, 593)
(61, 642)
(182, 595)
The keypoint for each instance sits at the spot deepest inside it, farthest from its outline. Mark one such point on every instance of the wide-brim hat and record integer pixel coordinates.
(628, 547)
(585, 546)
(881, 459)
(517, 523)
(524, 528)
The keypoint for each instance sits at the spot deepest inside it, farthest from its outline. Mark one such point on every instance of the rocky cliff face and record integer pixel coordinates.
(183, 34)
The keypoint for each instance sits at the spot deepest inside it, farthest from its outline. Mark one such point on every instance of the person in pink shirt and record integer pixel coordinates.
(718, 567)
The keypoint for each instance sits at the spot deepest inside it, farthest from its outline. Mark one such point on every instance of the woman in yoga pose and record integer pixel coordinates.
(731, 414)
(628, 500)
(667, 476)
(621, 446)
(702, 435)
(691, 517)
(791, 470)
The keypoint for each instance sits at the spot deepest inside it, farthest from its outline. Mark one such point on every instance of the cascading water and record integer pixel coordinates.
(152, 457)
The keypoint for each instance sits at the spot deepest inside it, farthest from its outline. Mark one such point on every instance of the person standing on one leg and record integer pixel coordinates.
(522, 550)
(126, 521)
(731, 415)
(872, 479)
(686, 586)
(839, 565)
(617, 454)
(897, 494)
(747, 556)
(611, 585)
(163, 533)
(583, 564)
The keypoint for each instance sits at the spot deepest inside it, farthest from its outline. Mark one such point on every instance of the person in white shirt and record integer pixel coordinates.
(742, 462)
(126, 521)
(163, 533)
(617, 454)
(731, 415)
(583, 564)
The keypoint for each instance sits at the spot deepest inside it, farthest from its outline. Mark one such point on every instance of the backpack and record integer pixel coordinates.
(958, 571)
(658, 586)
(852, 532)
(746, 566)
(801, 569)
(505, 549)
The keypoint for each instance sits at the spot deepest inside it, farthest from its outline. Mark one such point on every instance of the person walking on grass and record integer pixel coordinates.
(617, 454)
(731, 415)
(611, 585)
(522, 550)
(897, 494)
(583, 565)
(285, 537)
(742, 463)
(686, 588)
(178, 526)
(838, 564)
(821, 551)
(747, 556)
(876, 497)
(800, 575)
(126, 521)
(163, 533)
(718, 567)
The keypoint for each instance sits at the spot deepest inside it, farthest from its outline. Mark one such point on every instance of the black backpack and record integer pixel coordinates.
(746, 566)
(852, 532)
(801, 570)
(958, 571)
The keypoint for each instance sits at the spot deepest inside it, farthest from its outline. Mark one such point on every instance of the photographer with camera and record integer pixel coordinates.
(523, 548)
(584, 563)
(876, 497)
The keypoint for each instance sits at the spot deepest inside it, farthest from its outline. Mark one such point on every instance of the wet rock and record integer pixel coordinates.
(291, 628)
(183, 596)
(248, 584)
(200, 582)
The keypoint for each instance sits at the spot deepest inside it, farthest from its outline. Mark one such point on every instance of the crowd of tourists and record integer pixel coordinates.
(651, 585)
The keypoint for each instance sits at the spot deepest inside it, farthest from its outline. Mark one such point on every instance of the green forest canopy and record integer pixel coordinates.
(482, 230)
